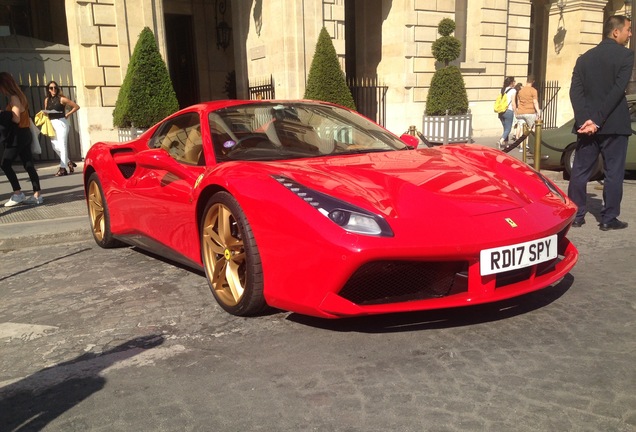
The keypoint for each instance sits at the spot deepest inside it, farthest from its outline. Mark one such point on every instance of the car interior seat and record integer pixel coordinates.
(193, 151)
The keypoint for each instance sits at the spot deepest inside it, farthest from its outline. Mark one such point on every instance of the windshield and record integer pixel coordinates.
(274, 131)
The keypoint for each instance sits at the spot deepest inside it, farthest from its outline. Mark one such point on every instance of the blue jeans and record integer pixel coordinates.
(506, 121)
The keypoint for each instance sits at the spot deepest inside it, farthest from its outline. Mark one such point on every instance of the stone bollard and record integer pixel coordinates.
(537, 144)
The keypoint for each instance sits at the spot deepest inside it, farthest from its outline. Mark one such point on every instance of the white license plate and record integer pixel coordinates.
(506, 258)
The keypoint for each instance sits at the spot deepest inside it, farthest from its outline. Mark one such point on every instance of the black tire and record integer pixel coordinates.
(230, 257)
(99, 215)
(568, 160)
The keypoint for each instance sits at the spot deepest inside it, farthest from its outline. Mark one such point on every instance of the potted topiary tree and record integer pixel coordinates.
(326, 81)
(146, 96)
(447, 116)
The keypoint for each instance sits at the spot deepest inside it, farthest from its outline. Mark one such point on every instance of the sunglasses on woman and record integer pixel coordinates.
(53, 88)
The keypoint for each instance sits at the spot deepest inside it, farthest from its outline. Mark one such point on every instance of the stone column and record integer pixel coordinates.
(102, 36)
(571, 33)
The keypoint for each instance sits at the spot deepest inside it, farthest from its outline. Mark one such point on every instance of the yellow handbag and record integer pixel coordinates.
(42, 120)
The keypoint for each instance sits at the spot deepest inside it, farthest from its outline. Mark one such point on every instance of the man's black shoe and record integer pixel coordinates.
(578, 223)
(613, 225)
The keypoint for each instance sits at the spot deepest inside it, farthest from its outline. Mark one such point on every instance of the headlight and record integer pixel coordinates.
(551, 186)
(348, 216)
(355, 222)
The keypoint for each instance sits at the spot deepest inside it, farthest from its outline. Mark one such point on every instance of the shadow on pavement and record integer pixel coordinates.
(33, 402)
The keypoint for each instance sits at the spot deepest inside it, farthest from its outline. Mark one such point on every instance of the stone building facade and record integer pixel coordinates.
(385, 39)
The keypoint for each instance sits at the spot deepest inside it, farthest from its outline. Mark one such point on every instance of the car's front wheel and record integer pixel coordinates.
(568, 162)
(99, 215)
(230, 257)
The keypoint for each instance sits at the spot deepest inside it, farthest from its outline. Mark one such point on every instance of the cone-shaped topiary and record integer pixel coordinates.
(146, 96)
(447, 91)
(326, 81)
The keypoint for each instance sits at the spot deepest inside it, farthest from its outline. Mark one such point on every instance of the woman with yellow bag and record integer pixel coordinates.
(55, 106)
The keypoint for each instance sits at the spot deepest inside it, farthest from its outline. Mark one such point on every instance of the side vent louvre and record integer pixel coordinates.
(124, 159)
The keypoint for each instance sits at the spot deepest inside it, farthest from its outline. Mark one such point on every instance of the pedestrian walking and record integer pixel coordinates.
(517, 126)
(21, 145)
(507, 117)
(55, 106)
(601, 120)
(527, 106)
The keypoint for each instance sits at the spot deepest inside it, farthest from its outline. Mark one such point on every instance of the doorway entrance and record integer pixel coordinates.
(182, 63)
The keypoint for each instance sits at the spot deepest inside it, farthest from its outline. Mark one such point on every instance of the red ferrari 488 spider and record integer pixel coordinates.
(312, 208)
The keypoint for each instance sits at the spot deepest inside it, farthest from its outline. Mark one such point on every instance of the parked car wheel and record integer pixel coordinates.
(99, 215)
(230, 257)
(568, 162)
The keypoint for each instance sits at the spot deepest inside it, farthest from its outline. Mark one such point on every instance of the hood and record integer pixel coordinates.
(450, 180)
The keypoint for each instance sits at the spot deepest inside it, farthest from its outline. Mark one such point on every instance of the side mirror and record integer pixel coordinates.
(154, 159)
(410, 140)
(159, 159)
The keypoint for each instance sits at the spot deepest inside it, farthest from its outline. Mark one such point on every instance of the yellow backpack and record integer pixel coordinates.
(501, 103)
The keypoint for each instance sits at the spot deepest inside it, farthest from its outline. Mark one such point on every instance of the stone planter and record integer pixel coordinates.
(448, 128)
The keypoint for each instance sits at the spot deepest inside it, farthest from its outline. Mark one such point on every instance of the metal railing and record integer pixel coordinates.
(548, 92)
(262, 89)
(369, 95)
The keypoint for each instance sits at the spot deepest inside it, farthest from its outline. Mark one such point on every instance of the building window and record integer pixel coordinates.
(461, 22)
(15, 18)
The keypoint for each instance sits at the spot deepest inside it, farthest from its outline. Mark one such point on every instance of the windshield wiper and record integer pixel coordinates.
(362, 151)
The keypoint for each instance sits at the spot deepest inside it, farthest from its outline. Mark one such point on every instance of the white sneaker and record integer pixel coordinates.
(33, 200)
(15, 199)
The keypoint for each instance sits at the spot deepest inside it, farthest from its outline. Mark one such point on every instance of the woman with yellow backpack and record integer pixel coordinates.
(506, 116)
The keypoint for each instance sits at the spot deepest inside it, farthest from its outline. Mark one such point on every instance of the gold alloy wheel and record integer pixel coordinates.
(224, 254)
(96, 210)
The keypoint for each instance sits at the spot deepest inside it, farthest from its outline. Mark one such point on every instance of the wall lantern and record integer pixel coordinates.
(223, 30)
(561, 5)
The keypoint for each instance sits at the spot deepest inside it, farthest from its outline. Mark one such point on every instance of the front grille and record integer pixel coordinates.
(399, 281)
(520, 275)
(513, 276)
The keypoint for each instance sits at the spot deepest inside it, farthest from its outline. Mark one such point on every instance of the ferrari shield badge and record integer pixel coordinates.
(198, 180)
(511, 223)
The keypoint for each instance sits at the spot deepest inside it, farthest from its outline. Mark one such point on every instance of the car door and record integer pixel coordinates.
(163, 189)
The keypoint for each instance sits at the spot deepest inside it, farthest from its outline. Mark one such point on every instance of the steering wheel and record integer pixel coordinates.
(246, 139)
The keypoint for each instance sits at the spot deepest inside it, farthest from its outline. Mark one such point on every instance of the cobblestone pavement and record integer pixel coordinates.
(119, 340)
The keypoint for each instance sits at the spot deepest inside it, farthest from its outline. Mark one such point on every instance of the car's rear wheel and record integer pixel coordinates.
(568, 162)
(99, 215)
(230, 257)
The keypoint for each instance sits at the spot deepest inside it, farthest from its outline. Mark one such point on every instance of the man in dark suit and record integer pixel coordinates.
(601, 120)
